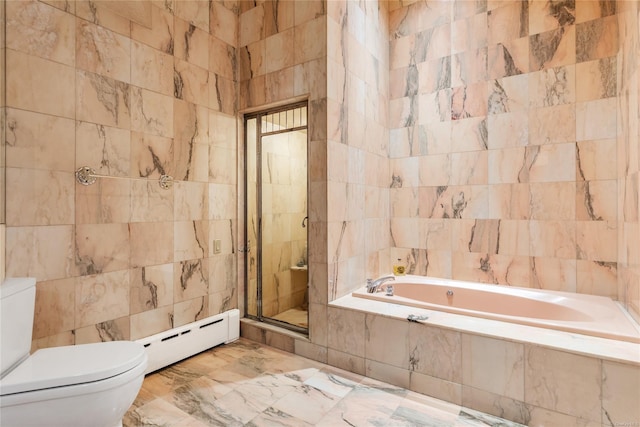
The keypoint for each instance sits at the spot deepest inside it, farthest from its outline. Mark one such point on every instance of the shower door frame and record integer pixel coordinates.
(258, 159)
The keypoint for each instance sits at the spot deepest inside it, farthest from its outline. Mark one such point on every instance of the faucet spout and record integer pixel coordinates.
(373, 286)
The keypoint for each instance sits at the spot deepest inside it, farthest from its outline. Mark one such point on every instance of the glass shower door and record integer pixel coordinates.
(276, 217)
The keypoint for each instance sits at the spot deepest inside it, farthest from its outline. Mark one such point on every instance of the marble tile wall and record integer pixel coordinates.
(503, 141)
(524, 382)
(357, 146)
(134, 91)
(282, 57)
(628, 157)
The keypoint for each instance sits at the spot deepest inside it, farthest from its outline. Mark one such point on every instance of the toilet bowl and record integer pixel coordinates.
(82, 385)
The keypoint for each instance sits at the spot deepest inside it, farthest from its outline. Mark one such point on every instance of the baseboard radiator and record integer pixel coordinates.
(176, 344)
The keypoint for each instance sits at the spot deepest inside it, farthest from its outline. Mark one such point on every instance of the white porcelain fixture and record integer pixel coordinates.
(82, 385)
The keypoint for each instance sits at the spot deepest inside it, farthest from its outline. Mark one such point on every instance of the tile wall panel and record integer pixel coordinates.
(134, 92)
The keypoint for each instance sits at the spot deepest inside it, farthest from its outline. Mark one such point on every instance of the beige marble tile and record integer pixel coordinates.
(509, 201)
(100, 13)
(191, 83)
(150, 202)
(507, 23)
(43, 252)
(100, 297)
(251, 60)
(596, 119)
(552, 125)
(436, 387)
(620, 392)
(151, 68)
(596, 160)
(558, 380)
(53, 190)
(596, 79)
(469, 67)
(597, 39)
(222, 94)
(552, 48)
(494, 404)
(387, 373)
(554, 162)
(508, 58)
(106, 201)
(191, 43)
(348, 334)
(387, 341)
(555, 274)
(102, 100)
(151, 243)
(546, 16)
(469, 168)
(555, 86)
(190, 240)
(38, 139)
(435, 352)
(151, 155)
(151, 288)
(39, 85)
(101, 51)
(509, 94)
(469, 134)
(553, 238)
(552, 201)
(190, 311)
(151, 112)
(597, 278)
(107, 150)
(194, 11)
(595, 200)
(307, 37)
(589, 10)
(222, 201)
(251, 25)
(40, 30)
(151, 322)
(508, 130)
(54, 307)
(57, 340)
(596, 241)
(101, 248)
(223, 22)
(493, 365)
(160, 35)
(470, 33)
(109, 330)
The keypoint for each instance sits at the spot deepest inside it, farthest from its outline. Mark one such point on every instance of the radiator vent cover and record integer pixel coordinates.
(177, 344)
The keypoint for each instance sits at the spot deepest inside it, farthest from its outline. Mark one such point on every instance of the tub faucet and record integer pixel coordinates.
(374, 285)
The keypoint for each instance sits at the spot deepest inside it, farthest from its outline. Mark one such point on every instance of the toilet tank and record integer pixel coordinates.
(17, 303)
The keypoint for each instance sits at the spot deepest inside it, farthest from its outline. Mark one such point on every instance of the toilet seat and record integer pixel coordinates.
(72, 365)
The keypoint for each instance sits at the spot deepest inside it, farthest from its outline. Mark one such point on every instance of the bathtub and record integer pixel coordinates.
(583, 314)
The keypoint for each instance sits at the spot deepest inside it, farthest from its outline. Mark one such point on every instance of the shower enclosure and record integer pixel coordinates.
(276, 216)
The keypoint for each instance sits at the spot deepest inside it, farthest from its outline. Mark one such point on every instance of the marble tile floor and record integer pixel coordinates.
(249, 384)
(294, 316)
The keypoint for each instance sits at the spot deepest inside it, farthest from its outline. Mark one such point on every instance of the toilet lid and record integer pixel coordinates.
(69, 365)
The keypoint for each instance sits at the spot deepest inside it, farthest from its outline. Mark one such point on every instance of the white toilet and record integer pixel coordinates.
(82, 385)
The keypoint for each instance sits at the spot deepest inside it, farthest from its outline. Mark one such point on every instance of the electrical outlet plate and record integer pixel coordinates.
(217, 246)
